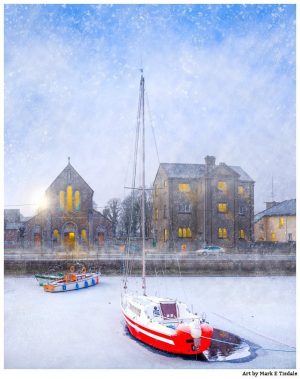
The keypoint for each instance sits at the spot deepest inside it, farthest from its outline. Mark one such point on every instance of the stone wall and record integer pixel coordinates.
(171, 266)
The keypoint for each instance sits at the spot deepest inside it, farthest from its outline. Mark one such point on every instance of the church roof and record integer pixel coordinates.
(64, 172)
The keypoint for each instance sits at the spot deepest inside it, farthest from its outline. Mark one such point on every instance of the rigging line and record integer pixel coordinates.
(180, 276)
(151, 124)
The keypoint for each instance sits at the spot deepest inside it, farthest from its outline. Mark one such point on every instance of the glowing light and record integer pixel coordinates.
(39, 198)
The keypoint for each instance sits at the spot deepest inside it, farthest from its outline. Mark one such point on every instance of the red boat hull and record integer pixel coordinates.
(181, 343)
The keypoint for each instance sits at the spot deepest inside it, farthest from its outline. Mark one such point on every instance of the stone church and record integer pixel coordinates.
(69, 221)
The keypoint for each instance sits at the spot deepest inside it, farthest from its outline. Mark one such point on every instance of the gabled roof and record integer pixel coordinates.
(285, 208)
(64, 173)
(195, 171)
(243, 175)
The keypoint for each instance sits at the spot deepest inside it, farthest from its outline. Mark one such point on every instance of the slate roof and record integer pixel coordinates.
(285, 208)
(183, 170)
(194, 171)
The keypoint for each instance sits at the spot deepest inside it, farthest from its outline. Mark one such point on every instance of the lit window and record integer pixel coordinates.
(241, 190)
(184, 187)
(222, 186)
(156, 214)
(62, 200)
(188, 233)
(77, 200)
(281, 222)
(166, 235)
(222, 207)
(242, 234)
(184, 232)
(69, 198)
(83, 235)
(56, 234)
(180, 232)
(222, 233)
(273, 237)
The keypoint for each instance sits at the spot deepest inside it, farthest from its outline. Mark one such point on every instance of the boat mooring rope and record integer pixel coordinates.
(258, 334)
(259, 348)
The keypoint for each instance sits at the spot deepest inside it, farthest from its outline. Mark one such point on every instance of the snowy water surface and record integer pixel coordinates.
(84, 329)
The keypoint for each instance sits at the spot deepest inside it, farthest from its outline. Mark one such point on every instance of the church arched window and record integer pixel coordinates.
(69, 199)
(77, 201)
(62, 200)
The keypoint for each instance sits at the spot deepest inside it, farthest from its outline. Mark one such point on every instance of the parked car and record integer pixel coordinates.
(211, 249)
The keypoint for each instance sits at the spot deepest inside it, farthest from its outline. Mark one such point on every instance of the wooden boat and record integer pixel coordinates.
(46, 278)
(162, 323)
(73, 281)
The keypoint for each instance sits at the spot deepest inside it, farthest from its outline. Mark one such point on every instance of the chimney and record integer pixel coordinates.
(270, 204)
(210, 162)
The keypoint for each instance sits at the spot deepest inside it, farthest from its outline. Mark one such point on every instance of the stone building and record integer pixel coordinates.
(13, 228)
(69, 220)
(277, 223)
(198, 204)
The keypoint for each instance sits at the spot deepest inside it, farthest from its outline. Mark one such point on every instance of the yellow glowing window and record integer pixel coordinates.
(273, 237)
(62, 200)
(179, 232)
(184, 187)
(242, 234)
(184, 232)
(69, 198)
(56, 233)
(166, 234)
(222, 185)
(77, 200)
(222, 232)
(83, 235)
(222, 207)
(241, 190)
(188, 233)
(156, 214)
(281, 222)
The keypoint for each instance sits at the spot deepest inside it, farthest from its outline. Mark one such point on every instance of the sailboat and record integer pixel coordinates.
(163, 323)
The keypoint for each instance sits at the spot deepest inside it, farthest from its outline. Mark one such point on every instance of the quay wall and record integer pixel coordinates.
(170, 266)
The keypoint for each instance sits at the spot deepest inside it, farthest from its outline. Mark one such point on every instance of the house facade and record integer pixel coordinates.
(69, 220)
(277, 223)
(199, 204)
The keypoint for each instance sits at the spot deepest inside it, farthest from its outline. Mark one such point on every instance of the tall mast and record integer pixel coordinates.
(142, 88)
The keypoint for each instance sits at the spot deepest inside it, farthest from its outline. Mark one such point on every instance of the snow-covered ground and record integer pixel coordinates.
(84, 329)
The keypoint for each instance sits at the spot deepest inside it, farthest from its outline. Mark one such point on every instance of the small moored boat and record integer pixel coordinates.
(166, 324)
(46, 278)
(73, 281)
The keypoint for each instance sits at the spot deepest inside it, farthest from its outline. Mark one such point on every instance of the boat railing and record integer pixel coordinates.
(181, 320)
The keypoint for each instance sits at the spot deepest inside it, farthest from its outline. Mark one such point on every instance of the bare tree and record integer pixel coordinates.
(112, 212)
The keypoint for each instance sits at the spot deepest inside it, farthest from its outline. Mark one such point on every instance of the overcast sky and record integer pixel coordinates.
(220, 81)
